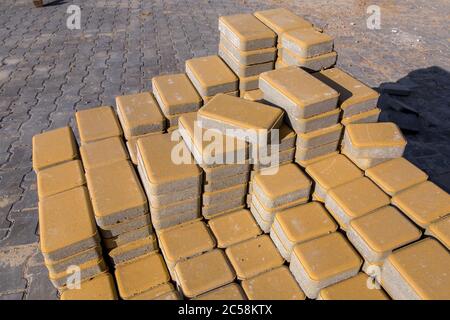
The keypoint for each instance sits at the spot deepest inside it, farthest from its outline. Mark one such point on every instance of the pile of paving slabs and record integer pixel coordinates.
(171, 194)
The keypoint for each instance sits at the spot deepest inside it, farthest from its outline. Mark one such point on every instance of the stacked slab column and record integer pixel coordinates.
(248, 47)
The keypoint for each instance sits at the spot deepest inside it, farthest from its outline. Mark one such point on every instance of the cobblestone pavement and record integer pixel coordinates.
(47, 72)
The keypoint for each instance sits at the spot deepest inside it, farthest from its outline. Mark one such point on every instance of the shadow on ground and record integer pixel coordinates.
(420, 105)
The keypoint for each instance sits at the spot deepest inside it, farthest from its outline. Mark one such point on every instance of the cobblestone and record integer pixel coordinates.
(48, 71)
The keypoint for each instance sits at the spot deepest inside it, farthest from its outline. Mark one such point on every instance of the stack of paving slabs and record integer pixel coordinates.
(185, 241)
(210, 75)
(307, 48)
(55, 162)
(103, 152)
(172, 180)
(396, 175)
(357, 101)
(176, 95)
(424, 203)
(224, 160)
(281, 20)
(311, 109)
(268, 161)
(322, 262)
(330, 173)
(121, 210)
(100, 287)
(139, 115)
(369, 144)
(354, 199)
(253, 121)
(204, 273)
(300, 224)
(54, 147)
(272, 193)
(69, 238)
(145, 278)
(380, 232)
(97, 124)
(276, 284)
(418, 271)
(253, 257)
(440, 230)
(359, 287)
(248, 47)
(233, 228)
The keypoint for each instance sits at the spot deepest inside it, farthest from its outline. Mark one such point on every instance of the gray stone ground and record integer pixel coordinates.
(47, 72)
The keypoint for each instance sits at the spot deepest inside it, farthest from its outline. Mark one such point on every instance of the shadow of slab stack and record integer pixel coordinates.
(139, 115)
(369, 144)
(357, 101)
(281, 20)
(118, 199)
(224, 160)
(176, 95)
(171, 178)
(311, 110)
(248, 47)
(308, 48)
(210, 75)
(69, 239)
(273, 192)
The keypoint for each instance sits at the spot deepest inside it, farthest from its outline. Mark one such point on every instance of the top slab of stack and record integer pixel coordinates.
(163, 173)
(140, 274)
(355, 97)
(307, 43)
(59, 178)
(139, 114)
(66, 224)
(103, 152)
(199, 143)
(210, 75)
(374, 140)
(116, 193)
(281, 20)
(225, 112)
(246, 32)
(97, 124)
(54, 147)
(175, 94)
(248, 57)
(101, 287)
(300, 94)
